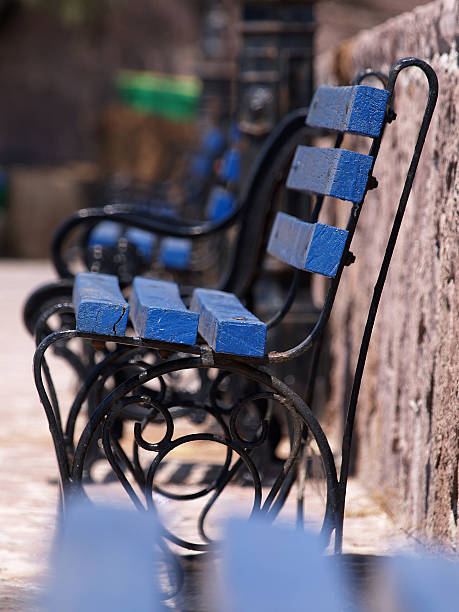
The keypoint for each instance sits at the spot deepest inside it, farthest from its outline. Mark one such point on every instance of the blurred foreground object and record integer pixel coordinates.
(275, 568)
(104, 559)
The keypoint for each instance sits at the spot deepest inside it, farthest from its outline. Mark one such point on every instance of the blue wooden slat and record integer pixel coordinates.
(230, 169)
(220, 205)
(143, 240)
(175, 253)
(158, 313)
(226, 325)
(315, 247)
(106, 233)
(339, 173)
(99, 304)
(357, 110)
(213, 142)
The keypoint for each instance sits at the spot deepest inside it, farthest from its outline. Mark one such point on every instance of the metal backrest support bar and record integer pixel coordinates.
(378, 288)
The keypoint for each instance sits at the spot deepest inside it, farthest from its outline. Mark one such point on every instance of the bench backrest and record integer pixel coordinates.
(345, 175)
(340, 173)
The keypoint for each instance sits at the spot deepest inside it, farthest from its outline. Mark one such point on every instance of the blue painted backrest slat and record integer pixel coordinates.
(335, 172)
(220, 204)
(314, 247)
(175, 253)
(357, 110)
(144, 241)
(230, 169)
(213, 142)
(99, 304)
(106, 233)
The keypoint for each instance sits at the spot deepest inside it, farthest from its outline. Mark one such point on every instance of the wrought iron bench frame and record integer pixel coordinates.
(254, 369)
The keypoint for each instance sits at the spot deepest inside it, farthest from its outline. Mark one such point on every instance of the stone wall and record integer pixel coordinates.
(408, 413)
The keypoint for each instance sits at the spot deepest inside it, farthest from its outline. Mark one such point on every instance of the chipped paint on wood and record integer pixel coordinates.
(99, 304)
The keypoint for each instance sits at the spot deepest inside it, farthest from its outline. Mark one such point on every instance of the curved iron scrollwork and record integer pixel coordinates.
(226, 425)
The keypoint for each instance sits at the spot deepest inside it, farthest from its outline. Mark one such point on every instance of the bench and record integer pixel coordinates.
(217, 333)
(108, 237)
(210, 165)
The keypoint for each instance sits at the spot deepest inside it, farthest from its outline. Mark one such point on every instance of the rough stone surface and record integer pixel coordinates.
(408, 414)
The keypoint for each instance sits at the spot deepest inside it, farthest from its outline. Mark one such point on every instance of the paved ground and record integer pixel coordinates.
(28, 469)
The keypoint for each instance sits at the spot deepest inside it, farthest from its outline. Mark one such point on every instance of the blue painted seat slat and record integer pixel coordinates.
(175, 253)
(357, 110)
(226, 325)
(158, 313)
(314, 247)
(99, 304)
(106, 233)
(339, 173)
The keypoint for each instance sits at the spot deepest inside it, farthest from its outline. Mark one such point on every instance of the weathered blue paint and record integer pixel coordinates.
(175, 253)
(106, 233)
(158, 313)
(99, 304)
(143, 240)
(230, 169)
(357, 110)
(314, 247)
(226, 325)
(220, 205)
(339, 173)
(214, 142)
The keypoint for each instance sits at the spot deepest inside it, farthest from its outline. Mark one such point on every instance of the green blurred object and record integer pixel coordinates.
(173, 97)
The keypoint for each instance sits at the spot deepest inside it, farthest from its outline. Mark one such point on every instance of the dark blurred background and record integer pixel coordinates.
(62, 125)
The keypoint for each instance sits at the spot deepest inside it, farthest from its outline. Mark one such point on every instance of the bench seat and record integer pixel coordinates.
(157, 312)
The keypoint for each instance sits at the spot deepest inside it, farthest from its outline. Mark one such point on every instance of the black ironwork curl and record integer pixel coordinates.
(258, 440)
(71, 471)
